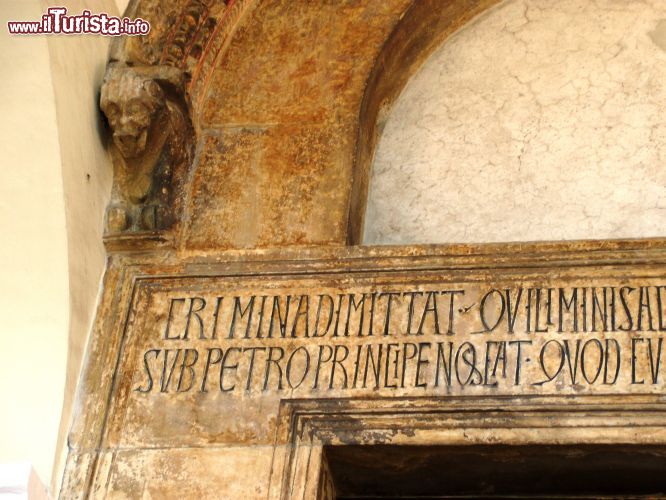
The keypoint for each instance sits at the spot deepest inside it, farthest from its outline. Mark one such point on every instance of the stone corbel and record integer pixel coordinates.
(151, 147)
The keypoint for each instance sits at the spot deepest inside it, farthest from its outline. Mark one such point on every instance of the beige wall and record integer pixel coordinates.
(53, 189)
(539, 120)
(34, 301)
(77, 66)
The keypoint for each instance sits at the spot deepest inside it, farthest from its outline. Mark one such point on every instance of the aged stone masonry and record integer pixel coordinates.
(206, 359)
(246, 346)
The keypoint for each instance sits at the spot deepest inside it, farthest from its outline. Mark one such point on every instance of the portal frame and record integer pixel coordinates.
(527, 420)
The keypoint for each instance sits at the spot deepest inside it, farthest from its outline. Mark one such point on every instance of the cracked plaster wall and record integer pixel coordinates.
(539, 120)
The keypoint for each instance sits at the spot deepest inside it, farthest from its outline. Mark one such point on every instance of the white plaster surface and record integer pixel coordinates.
(539, 120)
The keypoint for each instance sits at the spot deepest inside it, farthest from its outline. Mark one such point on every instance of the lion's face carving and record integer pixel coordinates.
(132, 103)
(147, 112)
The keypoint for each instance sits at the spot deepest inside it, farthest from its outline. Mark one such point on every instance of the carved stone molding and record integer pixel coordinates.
(312, 424)
(128, 427)
(151, 147)
(146, 97)
(185, 34)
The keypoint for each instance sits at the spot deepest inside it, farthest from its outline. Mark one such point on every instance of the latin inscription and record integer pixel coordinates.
(437, 340)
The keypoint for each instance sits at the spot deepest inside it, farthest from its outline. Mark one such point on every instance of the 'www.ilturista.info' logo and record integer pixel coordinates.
(56, 21)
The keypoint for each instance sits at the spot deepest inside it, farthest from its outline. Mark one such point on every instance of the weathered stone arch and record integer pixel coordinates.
(286, 99)
(186, 34)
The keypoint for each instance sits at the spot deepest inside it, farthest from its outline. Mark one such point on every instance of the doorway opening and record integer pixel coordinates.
(492, 471)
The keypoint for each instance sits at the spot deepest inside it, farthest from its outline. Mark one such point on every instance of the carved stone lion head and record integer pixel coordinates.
(132, 102)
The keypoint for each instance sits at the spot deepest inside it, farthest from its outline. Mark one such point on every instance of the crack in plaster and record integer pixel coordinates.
(538, 121)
